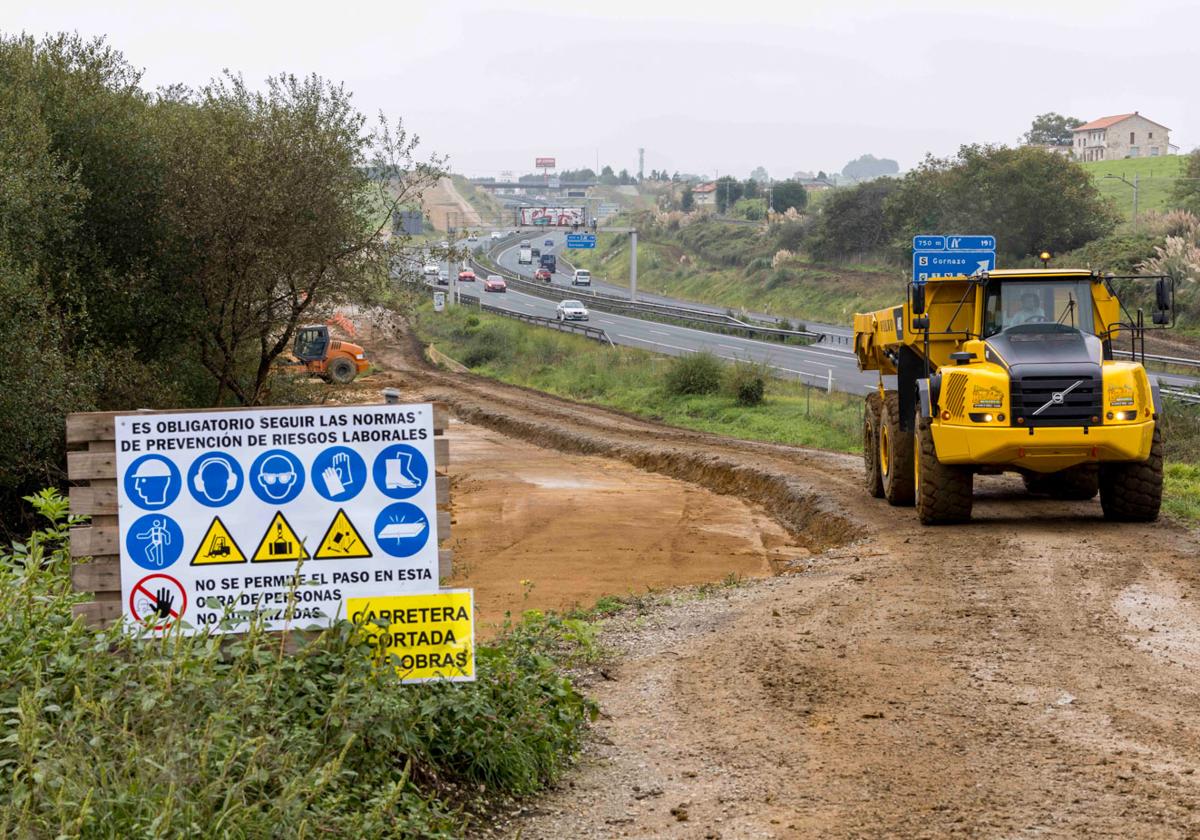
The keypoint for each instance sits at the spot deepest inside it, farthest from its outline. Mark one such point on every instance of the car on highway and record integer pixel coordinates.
(471, 237)
(549, 243)
(430, 269)
(495, 283)
(443, 278)
(543, 274)
(571, 310)
(443, 244)
(497, 235)
(581, 277)
(466, 276)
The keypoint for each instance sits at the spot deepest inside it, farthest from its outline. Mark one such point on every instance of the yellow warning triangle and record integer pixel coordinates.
(218, 546)
(341, 540)
(279, 543)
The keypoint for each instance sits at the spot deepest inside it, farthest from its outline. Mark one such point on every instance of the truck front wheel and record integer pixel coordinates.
(944, 491)
(1131, 491)
(871, 415)
(895, 454)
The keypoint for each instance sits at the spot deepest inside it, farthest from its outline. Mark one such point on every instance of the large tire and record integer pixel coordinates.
(943, 491)
(871, 415)
(1131, 491)
(1079, 483)
(342, 371)
(895, 454)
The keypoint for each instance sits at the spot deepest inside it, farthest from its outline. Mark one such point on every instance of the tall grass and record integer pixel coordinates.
(104, 734)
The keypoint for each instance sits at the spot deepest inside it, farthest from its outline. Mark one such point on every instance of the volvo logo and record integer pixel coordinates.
(1058, 397)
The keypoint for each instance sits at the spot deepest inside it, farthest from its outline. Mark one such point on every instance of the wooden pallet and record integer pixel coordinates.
(92, 470)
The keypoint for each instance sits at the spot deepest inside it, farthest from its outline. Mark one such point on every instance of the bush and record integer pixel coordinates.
(488, 343)
(104, 734)
(698, 373)
(746, 383)
(790, 235)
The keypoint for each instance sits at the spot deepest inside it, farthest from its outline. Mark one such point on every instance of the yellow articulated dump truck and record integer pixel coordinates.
(1013, 371)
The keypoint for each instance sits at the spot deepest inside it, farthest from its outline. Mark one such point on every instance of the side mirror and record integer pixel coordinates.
(1162, 295)
(920, 322)
(918, 299)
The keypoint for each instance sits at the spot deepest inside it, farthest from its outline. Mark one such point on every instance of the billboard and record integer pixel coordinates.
(552, 216)
(544, 163)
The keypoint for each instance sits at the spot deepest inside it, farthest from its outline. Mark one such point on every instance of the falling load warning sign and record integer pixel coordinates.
(279, 543)
(341, 540)
(217, 546)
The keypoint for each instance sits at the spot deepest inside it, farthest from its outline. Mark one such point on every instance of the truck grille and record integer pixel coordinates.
(1029, 393)
(956, 392)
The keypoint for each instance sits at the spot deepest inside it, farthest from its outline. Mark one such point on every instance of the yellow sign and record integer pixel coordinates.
(218, 546)
(279, 543)
(427, 637)
(341, 540)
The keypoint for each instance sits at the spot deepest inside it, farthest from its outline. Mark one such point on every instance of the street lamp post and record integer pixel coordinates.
(1134, 184)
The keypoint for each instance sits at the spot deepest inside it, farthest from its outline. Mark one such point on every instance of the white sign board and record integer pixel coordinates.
(439, 301)
(224, 514)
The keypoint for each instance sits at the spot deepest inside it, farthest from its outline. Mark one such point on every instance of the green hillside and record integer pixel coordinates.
(1156, 177)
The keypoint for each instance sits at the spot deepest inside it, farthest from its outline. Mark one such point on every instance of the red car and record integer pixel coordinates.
(466, 276)
(495, 283)
(542, 274)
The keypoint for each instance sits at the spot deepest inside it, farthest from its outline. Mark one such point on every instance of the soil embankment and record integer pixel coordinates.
(1031, 673)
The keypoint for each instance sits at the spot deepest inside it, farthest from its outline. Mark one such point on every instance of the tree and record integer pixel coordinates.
(729, 190)
(786, 194)
(1051, 129)
(624, 178)
(868, 166)
(275, 219)
(1029, 198)
(750, 189)
(687, 201)
(607, 176)
(853, 221)
(760, 174)
(1186, 192)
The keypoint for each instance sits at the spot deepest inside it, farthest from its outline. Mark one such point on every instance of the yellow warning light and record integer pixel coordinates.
(1044, 257)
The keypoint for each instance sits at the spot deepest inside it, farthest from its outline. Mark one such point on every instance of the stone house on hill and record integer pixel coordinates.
(1120, 136)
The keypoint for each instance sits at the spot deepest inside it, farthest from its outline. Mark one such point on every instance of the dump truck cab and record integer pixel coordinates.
(1012, 370)
(327, 357)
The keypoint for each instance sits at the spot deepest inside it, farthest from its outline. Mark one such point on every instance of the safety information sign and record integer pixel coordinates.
(426, 637)
(227, 514)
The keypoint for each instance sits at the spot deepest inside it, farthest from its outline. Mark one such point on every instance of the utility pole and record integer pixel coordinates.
(1134, 184)
(641, 163)
(633, 265)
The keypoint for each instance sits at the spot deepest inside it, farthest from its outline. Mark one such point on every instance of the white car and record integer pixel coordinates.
(581, 277)
(497, 234)
(431, 269)
(472, 237)
(572, 310)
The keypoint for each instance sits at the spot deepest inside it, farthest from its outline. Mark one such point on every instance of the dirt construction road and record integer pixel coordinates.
(1034, 673)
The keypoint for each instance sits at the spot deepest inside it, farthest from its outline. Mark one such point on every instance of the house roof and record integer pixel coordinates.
(1105, 122)
(704, 188)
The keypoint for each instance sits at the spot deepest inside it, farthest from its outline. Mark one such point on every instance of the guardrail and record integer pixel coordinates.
(1180, 395)
(623, 306)
(1165, 360)
(594, 333)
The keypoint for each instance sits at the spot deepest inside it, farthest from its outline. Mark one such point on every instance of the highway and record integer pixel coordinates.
(816, 364)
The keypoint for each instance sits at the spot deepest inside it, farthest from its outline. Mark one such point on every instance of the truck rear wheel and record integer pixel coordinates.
(943, 491)
(895, 454)
(1132, 491)
(871, 416)
(342, 371)
(1079, 483)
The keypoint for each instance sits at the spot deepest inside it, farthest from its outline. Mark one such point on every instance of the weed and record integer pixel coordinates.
(697, 373)
(104, 733)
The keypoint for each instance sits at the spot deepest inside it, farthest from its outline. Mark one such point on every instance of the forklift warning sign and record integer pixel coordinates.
(281, 513)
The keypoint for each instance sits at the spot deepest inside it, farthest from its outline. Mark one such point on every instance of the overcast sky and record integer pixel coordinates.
(704, 87)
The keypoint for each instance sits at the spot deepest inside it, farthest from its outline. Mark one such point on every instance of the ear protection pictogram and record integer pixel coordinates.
(198, 478)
